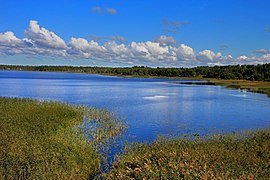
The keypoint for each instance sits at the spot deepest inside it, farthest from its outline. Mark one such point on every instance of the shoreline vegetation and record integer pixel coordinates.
(51, 140)
(253, 78)
(262, 87)
(230, 156)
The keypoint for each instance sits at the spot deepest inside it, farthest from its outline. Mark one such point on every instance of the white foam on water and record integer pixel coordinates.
(155, 97)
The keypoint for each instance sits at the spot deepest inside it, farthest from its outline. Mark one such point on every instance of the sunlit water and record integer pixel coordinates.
(151, 107)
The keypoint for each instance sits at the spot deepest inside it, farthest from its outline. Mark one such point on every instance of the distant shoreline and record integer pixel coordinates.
(197, 73)
(262, 87)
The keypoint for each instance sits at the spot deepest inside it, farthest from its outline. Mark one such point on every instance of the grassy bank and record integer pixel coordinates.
(45, 140)
(219, 157)
(252, 86)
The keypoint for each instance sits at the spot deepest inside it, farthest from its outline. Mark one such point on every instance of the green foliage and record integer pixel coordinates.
(217, 157)
(243, 72)
(46, 140)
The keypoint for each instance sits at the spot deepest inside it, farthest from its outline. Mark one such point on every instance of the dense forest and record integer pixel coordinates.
(245, 72)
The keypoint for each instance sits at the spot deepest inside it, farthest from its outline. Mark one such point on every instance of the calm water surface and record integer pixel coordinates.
(151, 107)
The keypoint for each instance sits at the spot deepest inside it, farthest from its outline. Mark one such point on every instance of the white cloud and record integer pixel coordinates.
(9, 39)
(208, 56)
(44, 38)
(10, 44)
(81, 47)
(117, 52)
(264, 59)
(116, 49)
(253, 59)
(184, 52)
(160, 52)
(242, 58)
(150, 51)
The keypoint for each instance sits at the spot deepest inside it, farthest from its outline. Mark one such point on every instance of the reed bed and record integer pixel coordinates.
(245, 156)
(47, 140)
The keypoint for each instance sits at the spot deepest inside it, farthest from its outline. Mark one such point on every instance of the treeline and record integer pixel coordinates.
(245, 72)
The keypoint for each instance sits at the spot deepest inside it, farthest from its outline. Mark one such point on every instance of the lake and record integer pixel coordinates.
(150, 106)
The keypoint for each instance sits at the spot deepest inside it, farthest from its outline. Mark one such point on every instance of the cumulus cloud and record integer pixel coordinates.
(38, 41)
(242, 58)
(116, 49)
(43, 37)
(149, 50)
(252, 59)
(208, 55)
(9, 39)
(266, 57)
(9, 43)
(163, 51)
(184, 52)
(83, 45)
(83, 48)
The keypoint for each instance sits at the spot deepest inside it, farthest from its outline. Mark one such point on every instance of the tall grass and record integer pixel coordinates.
(252, 86)
(46, 140)
(217, 157)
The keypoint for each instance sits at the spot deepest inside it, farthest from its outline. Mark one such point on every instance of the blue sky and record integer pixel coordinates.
(126, 33)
